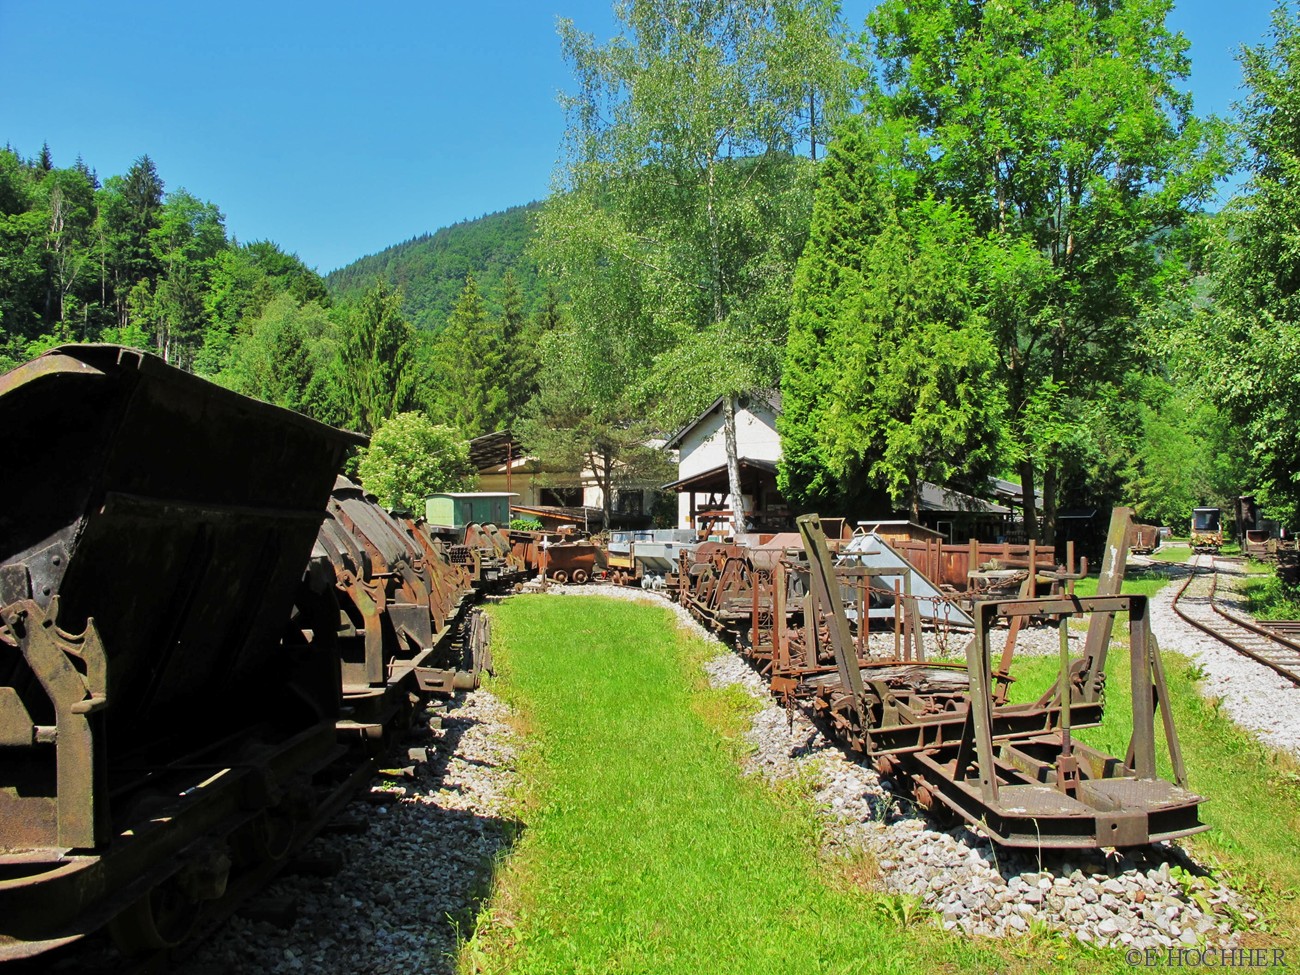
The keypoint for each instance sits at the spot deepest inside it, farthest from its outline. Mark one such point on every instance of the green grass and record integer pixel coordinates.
(1173, 552)
(1268, 598)
(1136, 582)
(1253, 791)
(644, 847)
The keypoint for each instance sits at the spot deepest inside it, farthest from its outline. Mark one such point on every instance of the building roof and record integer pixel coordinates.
(495, 450)
(474, 494)
(1012, 492)
(771, 399)
(894, 525)
(936, 498)
(718, 476)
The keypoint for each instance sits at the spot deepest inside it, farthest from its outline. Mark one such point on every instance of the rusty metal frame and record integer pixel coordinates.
(1014, 771)
(76, 816)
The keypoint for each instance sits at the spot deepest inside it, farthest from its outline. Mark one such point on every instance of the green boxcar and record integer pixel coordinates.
(458, 509)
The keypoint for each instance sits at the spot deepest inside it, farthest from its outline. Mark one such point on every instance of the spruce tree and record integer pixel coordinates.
(474, 394)
(375, 357)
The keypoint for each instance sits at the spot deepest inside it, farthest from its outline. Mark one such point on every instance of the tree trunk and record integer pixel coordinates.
(1049, 504)
(1027, 492)
(812, 123)
(603, 469)
(914, 500)
(738, 512)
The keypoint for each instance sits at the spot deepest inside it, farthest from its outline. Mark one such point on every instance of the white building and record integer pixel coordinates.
(702, 482)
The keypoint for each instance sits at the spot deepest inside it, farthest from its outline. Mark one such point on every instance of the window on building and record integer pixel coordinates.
(629, 503)
(561, 497)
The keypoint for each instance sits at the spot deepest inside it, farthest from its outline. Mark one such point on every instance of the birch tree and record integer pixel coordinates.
(684, 196)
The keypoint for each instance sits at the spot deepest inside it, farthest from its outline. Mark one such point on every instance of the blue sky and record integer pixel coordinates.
(337, 131)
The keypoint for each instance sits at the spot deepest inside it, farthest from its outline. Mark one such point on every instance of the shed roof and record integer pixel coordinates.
(474, 494)
(495, 450)
(715, 478)
(936, 498)
(892, 525)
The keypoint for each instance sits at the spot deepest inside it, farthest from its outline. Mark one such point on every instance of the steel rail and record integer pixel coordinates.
(1289, 651)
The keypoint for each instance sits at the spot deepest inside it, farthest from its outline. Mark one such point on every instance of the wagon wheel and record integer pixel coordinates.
(560, 577)
(579, 576)
(272, 832)
(162, 918)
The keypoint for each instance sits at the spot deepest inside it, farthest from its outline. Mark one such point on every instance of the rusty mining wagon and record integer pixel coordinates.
(810, 620)
(647, 558)
(201, 647)
(468, 522)
(1143, 539)
(155, 529)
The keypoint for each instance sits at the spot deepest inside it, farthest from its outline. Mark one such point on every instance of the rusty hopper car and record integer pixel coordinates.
(467, 522)
(1143, 539)
(158, 729)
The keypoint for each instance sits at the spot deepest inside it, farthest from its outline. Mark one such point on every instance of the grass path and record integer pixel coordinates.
(646, 850)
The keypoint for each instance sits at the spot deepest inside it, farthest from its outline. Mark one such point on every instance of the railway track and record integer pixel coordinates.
(1195, 603)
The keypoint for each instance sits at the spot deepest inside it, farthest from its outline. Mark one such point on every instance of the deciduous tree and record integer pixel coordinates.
(1062, 128)
(1250, 343)
(410, 457)
(580, 419)
(684, 203)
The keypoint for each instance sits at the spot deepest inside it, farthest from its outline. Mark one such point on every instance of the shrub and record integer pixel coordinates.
(410, 457)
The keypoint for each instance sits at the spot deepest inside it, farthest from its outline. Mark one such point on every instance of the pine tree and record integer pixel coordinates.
(518, 349)
(133, 218)
(852, 200)
(889, 376)
(474, 381)
(375, 357)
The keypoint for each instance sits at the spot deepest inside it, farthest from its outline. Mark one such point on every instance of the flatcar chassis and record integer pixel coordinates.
(1014, 771)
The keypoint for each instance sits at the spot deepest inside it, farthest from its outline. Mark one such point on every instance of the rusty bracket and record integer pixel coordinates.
(79, 697)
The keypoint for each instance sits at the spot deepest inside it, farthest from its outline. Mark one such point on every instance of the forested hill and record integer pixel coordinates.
(430, 269)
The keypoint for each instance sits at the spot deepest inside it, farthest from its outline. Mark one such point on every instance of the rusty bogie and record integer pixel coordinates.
(1015, 771)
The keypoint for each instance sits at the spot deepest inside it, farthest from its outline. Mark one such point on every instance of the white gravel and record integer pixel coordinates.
(411, 882)
(1254, 696)
(630, 593)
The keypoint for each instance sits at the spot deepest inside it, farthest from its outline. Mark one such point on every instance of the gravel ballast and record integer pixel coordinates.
(411, 881)
(1255, 696)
